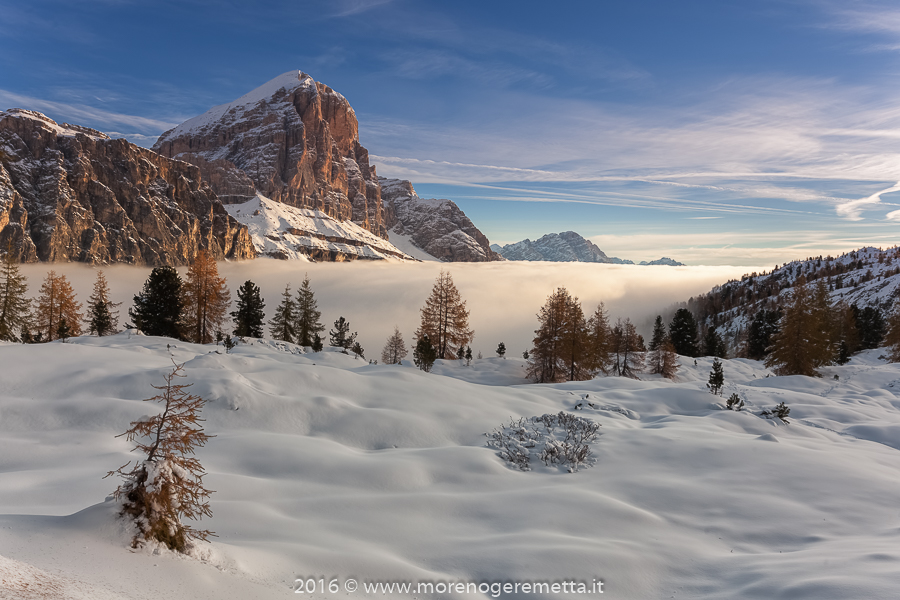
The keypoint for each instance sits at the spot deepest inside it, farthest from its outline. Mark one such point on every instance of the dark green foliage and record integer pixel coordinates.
(525, 355)
(461, 353)
(14, 305)
(229, 344)
(158, 308)
(63, 331)
(762, 329)
(307, 322)
(424, 355)
(683, 333)
(100, 318)
(782, 412)
(317, 344)
(281, 326)
(248, 318)
(468, 355)
(340, 336)
(501, 350)
(713, 344)
(843, 356)
(734, 402)
(357, 350)
(716, 377)
(871, 326)
(659, 334)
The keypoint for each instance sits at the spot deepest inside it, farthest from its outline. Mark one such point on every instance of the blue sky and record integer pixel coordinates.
(714, 132)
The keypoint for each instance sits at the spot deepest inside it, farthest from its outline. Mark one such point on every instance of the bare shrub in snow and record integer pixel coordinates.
(555, 439)
(167, 485)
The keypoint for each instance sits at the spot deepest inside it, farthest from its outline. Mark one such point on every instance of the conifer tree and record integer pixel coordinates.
(340, 336)
(847, 334)
(307, 324)
(158, 308)
(250, 311)
(870, 326)
(167, 484)
(424, 354)
(892, 337)
(468, 356)
(357, 350)
(63, 331)
(445, 319)
(575, 343)
(281, 327)
(628, 358)
(394, 349)
(762, 330)
(683, 333)
(716, 377)
(599, 342)
(802, 344)
(713, 345)
(55, 303)
(545, 361)
(102, 316)
(659, 335)
(669, 360)
(317, 344)
(14, 304)
(206, 299)
(501, 350)
(661, 359)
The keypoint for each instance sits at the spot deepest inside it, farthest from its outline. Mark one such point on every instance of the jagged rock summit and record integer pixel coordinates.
(437, 227)
(292, 139)
(296, 141)
(69, 193)
(567, 246)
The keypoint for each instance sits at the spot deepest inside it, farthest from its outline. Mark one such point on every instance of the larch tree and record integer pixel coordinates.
(445, 319)
(281, 326)
(545, 361)
(166, 485)
(249, 312)
(102, 317)
(599, 341)
(15, 306)
(56, 303)
(394, 349)
(159, 307)
(628, 357)
(802, 344)
(206, 299)
(307, 323)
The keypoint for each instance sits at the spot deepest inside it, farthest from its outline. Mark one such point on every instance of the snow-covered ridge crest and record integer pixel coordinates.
(63, 129)
(287, 232)
(286, 81)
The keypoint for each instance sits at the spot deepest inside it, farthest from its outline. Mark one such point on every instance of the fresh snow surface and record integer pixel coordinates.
(285, 231)
(326, 466)
(405, 244)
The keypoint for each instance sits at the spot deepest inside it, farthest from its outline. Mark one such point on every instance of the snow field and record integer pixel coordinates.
(326, 466)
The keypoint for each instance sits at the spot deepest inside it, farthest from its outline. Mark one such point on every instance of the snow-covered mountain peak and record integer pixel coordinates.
(48, 124)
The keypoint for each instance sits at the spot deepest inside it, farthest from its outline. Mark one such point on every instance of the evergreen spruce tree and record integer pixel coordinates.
(281, 327)
(55, 303)
(716, 377)
(206, 299)
(892, 338)
(762, 330)
(307, 324)
(14, 304)
(158, 308)
(501, 350)
(102, 318)
(468, 356)
(659, 335)
(683, 333)
(445, 319)
(713, 344)
(357, 350)
(249, 314)
(317, 345)
(870, 325)
(424, 354)
(63, 331)
(340, 336)
(394, 349)
(461, 353)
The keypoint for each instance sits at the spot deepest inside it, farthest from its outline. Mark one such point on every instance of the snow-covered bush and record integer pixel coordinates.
(780, 412)
(554, 439)
(734, 402)
(167, 485)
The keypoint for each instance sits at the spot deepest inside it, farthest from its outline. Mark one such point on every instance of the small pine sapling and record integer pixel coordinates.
(317, 344)
(782, 412)
(461, 353)
(229, 344)
(734, 402)
(501, 350)
(525, 355)
(468, 356)
(424, 354)
(357, 350)
(63, 331)
(167, 485)
(716, 378)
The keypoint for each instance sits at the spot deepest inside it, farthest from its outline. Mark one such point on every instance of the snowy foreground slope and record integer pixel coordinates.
(325, 466)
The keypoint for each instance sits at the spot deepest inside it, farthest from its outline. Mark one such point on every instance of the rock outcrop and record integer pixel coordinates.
(438, 227)
(294, 140)
(567, 246)
(68, 193)
(664, 261)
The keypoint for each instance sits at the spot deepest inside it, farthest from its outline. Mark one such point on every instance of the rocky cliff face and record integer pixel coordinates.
(567, 246)
(294, 140)
(68, 193)
(437, 227)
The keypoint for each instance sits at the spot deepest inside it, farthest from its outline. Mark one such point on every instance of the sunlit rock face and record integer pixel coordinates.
(294, 140)
(69, 193)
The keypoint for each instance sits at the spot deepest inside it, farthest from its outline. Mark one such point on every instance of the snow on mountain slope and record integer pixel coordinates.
(325, 466)
(282, 231)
